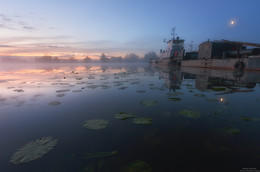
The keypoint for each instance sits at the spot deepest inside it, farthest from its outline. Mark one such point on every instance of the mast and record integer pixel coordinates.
(173, 33)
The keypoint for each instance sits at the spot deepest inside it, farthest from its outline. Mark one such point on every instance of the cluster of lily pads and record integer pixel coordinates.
(97, 124)
(189, 114)
(39, 147)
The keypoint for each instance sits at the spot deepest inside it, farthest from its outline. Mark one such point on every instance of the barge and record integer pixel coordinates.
(222, 54)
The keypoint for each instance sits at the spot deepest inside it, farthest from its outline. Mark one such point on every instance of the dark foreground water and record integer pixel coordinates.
(201, 120)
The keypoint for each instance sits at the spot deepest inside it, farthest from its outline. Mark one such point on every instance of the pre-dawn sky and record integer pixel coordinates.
(82, 28)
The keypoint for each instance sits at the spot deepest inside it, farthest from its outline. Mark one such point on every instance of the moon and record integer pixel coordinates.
(232, 22)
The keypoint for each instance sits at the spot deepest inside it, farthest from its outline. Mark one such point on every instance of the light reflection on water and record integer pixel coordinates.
(54, 100)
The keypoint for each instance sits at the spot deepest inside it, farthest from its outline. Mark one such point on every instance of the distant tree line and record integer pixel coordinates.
(50, 59)
(129, 58)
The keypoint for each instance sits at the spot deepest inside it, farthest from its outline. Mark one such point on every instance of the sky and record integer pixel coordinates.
(80, 28)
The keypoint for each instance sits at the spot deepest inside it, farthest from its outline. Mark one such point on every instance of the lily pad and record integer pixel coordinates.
(60, 95)
(95, 124)
(92, 86)
(154, 88)
(136, 82)
(54, 103)
(33, 150)
(175, 94)
(174, 99)
(189, 114)
(230, 130)
(101, 154)
(79, 78)
(142, 120)
(212, 100)
(149, 103)
(19, 90)
(246, 118)
(137, 166)
(105, 86)
(75, 91)
(124, 115)
(200, 95)
(62, 91)
(122, 88)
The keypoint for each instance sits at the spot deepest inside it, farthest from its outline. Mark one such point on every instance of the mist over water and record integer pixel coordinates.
(157, 118)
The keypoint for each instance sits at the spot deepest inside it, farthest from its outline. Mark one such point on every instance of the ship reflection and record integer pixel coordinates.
(221, 81)
(172, 77)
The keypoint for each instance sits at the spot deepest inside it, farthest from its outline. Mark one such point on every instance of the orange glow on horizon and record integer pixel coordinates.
(59, 55)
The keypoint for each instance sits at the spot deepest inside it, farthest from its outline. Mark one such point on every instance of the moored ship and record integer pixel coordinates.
(222, 54)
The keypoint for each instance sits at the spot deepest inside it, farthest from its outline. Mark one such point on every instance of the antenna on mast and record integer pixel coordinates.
(173, 32)
(191, 45)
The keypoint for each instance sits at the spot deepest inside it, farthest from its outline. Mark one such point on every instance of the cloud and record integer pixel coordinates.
(53, 28)
(28, 27)
(5, 18)
(53, 46)
(11, 22)
(6, 46)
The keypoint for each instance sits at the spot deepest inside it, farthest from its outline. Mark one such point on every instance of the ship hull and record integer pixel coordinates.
(251, 63)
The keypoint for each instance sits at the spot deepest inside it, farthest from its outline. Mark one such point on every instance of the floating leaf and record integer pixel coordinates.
(60, 95)
(33, 150)
(101, 154)
(105, 86)
(19, 90)
(79, 78)
(189, 114)
(54, 103)
(75, 91)
(154, 88)
(200, 95)
(230, 130)
(92, 86)
(246, 118)
(149, 103)
(62, 91)
(137, 166)
(122, 88)
(175, 94)
(124, 115)
(95, 124)
(142, 120)
(174, 99)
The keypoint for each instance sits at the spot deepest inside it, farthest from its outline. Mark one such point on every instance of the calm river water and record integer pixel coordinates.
(175, 119)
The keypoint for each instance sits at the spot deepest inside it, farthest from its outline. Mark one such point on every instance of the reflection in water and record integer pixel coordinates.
(190, 115)
(205, 79)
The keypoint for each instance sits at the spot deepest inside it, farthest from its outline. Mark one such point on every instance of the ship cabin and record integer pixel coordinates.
(174, 51)
(215, 49)
(222, 49)
(191, 55)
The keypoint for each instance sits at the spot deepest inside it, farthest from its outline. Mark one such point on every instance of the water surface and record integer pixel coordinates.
(202, 120)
